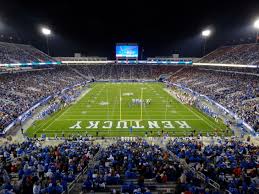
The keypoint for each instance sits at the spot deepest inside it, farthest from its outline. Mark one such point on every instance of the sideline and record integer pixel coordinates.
(29, 123)
(186, 106)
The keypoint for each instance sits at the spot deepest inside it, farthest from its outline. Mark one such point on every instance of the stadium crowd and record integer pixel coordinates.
(231, 163)
(132, 72)
(29, 168)
(136, 167)
(237, 92)
(20, 53)
(20, 91)
(245, 54)
(140, 168)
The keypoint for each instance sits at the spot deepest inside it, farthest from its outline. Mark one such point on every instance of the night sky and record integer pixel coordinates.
(161, 27)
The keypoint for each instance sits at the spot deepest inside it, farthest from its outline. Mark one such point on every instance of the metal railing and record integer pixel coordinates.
(197, 174)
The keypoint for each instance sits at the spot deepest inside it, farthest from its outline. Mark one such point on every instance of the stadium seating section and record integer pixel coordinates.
(128, 167)
(19, 53)
(245, 54)
(20, 91)
(81, 59)
(27, 167)
(237, 92)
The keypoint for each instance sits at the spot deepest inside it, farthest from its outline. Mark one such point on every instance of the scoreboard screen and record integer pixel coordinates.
(127, 51)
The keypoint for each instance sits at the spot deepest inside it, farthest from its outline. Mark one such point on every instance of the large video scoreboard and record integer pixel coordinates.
(126, 50)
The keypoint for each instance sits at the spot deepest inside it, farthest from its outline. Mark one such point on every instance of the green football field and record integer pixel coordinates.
(109, 109)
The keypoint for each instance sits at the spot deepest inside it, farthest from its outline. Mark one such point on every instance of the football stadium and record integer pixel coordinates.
(128, 121)
(115, 109)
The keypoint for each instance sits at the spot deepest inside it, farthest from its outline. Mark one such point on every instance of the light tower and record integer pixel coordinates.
(256, 26)
(46, 32)
(205, 34)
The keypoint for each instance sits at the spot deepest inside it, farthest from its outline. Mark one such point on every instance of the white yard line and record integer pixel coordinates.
(99, 111)
(127, 119)
(200, 117)
(186, 106)
(114, 105)
(147, 114)
(67, 109)
(56, 118)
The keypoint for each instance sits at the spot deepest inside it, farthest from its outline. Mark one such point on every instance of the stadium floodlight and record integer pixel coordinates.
(205, 34)
(256, 26)
(46, 32)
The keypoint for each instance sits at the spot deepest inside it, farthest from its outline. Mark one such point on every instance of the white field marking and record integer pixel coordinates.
(64, 111)
(192, 111)
(90, 115)
(200, 117)
(44, 124)
(131, 114)
(212, 126)
(129, 120)
(146, 96)
(39, 128)
(56, 119)
(114, 105)
(168, 119)
(215, 125)
(176, 130)
(134, 109)
(103, 103)
(131, 111)
(156, 103)
(158, 115)
(147, 113)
